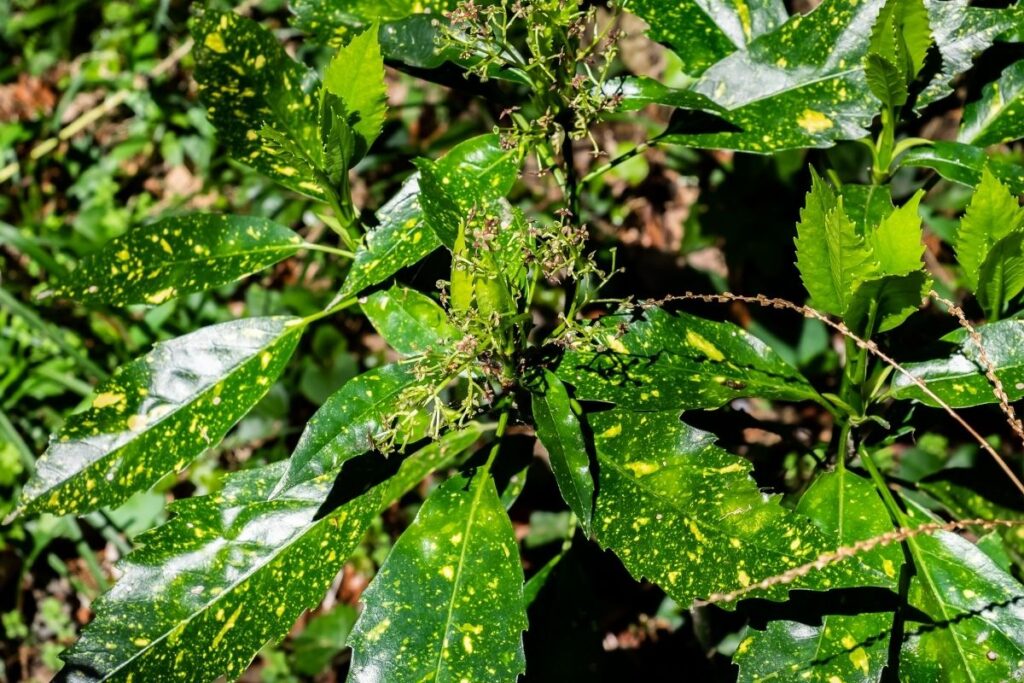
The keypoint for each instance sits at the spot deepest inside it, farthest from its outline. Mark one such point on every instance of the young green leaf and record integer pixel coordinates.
(832, 258)
(992, 215)
(901, 36)
(412, 323)
(349, 423)
(257, 96)
(960, 380)
(896, 242)
(894, 298)
(885, 80)
(179, 255)
(158, 413)
(702, 34)
(998, 116)
(447, 604)
(356, 75)
(964, 164)
(1002, 275)
(338, 139)
(558, 428)
(675, 360)
(669, 500)
(973, 623)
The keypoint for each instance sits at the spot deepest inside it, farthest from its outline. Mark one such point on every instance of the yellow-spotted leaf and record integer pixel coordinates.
(158, 413)
(685, 514)
(263, 103)
(675, 360)
(447, 604)
(154, 263)
(233, 571)
(411, 322)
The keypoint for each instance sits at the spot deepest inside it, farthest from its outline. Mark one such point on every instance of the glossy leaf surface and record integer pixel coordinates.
(685, 514)
(975, 612)
(959, 379)
(261, 101)
(348, 423)
(964, 164)
(998, 116)
(159, 412)
(412, 323)
(559, 429)
(702, 33)
(846, 508)
(447, 604)
(227, 574)
(175, 256)
(478, 166)
(675, 360)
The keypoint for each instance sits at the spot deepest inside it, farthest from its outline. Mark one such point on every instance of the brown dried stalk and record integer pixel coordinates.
(986, 362)
(826, 559)
(870, 346)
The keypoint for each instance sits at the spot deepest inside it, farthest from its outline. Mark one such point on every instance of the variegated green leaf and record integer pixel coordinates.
(559, 429)
(685, 514)
(678, 361)
(261, 101)
(411, 322)
(175, 256)
(703, 33)
(998, 116)
(964, 164)
(447, 604)
(349, 423)
(158, 413)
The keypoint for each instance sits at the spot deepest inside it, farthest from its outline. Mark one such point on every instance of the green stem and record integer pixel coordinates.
(328, 250)
(330, 310)
(621, 159)
(498, 433)
(844, 446)
(895, 511)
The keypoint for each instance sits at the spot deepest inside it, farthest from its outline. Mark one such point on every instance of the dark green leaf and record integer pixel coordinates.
(998, 116)
(801, 85)
(349, 423)
(964, 164)
(447, 604)
(232, 572)
(478, 166)
(229, 573)
(412, 323)
(159, 412)
(675, 360)
(671, 502)
(175, 256)
(966, 503)
(960, 380)
(559, 430)
(852, 648)
(356, 75)
(333, 21)
(636, 92)
(702, 33)
(975, 630)
(886, 81)
(261, 101)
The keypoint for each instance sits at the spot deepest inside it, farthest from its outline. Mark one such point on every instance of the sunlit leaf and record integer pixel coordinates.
(412, 323)
(175, 256)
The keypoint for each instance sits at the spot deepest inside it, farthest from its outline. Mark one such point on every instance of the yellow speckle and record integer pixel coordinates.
(456, 539)
(228, 625)
(374, 634)
(141, 642)
(215, 42)
(161, 296)
(640, 468)
(888, 568)
(259, 62)
(859, 659)
(280, 610)
(744, 578)
(137, 423)
(448, 572)
(123, 255)
(107, 398)
(165, 246)
(744, 646)
(251, 135)
(814, 121)
(704, 346)
(612, 431)
(848, 641)
(615, 345)
(467, 644)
